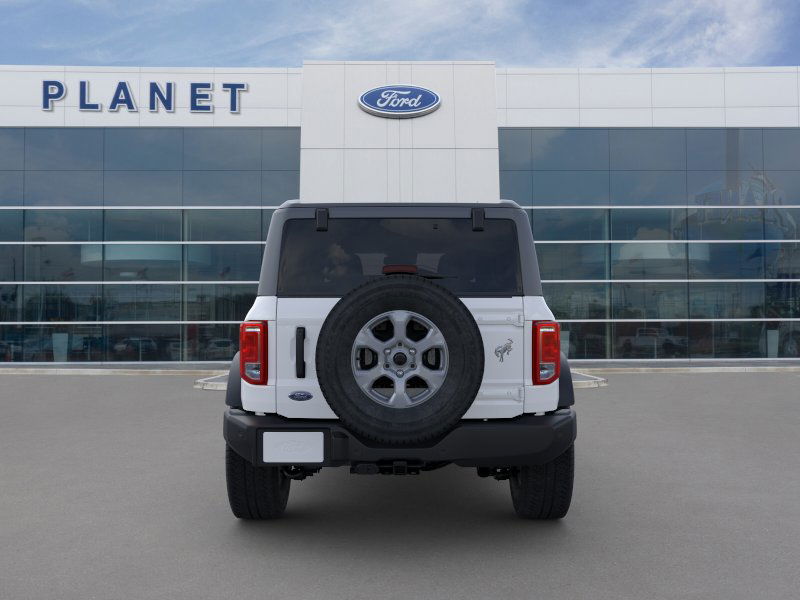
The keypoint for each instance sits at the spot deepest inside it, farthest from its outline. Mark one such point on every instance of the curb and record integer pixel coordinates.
(696, 370)
(56, 371)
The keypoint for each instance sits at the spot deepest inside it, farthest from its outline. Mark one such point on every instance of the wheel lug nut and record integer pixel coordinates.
(413, 366)
(412, 351)
(387, 351)
(386, 366)
(399, 373)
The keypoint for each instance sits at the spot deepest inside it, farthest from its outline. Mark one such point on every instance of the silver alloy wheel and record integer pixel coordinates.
(399, 359)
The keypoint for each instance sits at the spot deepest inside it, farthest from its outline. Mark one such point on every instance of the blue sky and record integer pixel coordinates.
(585, 33)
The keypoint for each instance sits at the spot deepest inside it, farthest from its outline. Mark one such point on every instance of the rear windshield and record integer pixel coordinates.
(352, 251)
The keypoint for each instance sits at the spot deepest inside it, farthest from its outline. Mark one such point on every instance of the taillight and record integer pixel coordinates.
(546, 352)
(253, 352)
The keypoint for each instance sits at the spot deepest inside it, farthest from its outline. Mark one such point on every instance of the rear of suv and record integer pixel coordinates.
(395, 339)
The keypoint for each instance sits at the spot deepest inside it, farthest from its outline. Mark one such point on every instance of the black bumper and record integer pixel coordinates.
(524, 440)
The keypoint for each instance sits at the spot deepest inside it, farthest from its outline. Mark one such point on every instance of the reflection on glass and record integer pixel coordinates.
(279, 186)
(142, 188)
(63, 262)
(142, 302)
(62, 343)
(648, 261)
(11, 188)
(11, 264)
(226, 188)
(236, 262)
(219, 302)
(570, 225)
(783, 340)
(726, 300)
(153, 262)
(514, 149)
(222, 225)
(719, 339)
(782, 148)
(142, 225)
(570, 149)
(62, 303)
(143, 148)
(222, 148)
(783, 299)
(648, 224)
(577, 300)
(12, 148)
(211, 342)
(63, 225)
(10, 304)
(63, 148)
(648, 300)
(648, 187)
(140, 342)
(10, 226)
(650, 339)
(648, 149)
(782, 260)
(726, 261)
(573, 261)
(63, 188)
(724, 149)
(584, 340)
(726, 224)
(280, 149)
(517, 186)
(562, 188)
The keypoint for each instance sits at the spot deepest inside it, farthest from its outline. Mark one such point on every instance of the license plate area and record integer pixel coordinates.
(293, 447)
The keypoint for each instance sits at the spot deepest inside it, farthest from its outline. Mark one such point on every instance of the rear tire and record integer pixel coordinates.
(544, 491)
(255, 492)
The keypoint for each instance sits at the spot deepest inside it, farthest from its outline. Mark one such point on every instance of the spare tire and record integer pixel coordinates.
(400, 360)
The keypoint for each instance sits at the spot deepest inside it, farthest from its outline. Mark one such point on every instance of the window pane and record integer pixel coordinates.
(783, 187)
(782, 148)
(783, 341)
(726, 261)
(724, 149)
(10, 307)
(11, 188)
(280, 147)
(783, 299)
(570, 187)
(142, 225)
(570, 224)
(12, 148)
(143, 188)
(63, 225)
(154, 262)
(11, 263)
(62, 343)
(726, 300)
(573, 261)
(727, 340)
(65, 188)
(648, 224)
(726, 224)
(10, 226)
(570, 149)
(61, 303)
(783, 261)
(577, 300)
(221, 188)
(11, 338)
(514, 147)
(211, 342)
(648, 261)
(63, 149)
(648, 149)
(781, 223)
(650, 339)
(219, 302)
(517, 186)
(143, 342)
(584, 340)
(279, 186)
(63, 262)
(222, 225)
(143, 148)
(221, 148)
(649, 300)
(142, 302)
(648, 187)
(732, 188)
(237, 262)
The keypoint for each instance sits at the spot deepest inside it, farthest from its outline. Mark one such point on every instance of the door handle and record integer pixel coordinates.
(300, 352)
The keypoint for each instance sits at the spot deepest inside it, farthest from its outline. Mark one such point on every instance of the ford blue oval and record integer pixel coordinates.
(399, 101)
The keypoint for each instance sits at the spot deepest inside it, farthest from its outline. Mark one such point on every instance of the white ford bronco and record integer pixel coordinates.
(399, 338)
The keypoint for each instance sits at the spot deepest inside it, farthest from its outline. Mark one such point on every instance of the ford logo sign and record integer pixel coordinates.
(399, 101)
(301, 396)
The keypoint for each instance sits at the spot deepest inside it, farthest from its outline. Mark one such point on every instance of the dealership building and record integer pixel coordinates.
(134, 202)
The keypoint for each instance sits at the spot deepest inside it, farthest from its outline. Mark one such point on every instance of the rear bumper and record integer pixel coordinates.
(524, 440)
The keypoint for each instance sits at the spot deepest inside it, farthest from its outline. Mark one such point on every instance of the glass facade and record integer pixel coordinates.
(135, 244)
(144, 244)
(664, 243)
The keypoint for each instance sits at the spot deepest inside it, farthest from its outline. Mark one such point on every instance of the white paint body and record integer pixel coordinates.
(507, 389)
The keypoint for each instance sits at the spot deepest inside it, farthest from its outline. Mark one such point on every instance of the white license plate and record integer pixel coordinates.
(294, 447)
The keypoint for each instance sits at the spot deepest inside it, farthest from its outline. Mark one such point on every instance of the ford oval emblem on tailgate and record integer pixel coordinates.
(301, 396)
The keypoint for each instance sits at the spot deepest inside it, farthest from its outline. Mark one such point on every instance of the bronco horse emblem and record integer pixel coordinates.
(504, 349)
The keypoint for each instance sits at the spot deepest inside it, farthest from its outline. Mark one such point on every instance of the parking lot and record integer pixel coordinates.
(687, 486)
